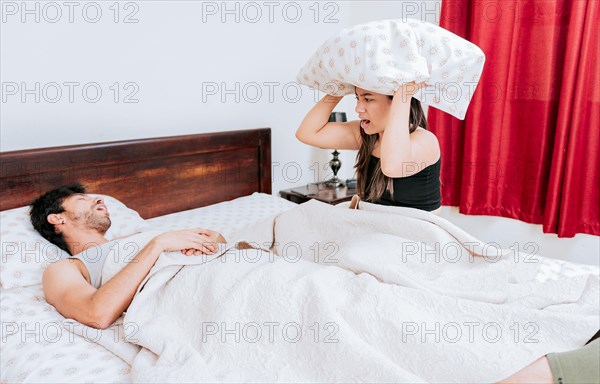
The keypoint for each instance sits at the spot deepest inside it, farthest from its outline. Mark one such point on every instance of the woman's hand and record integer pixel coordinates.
(333, 99)
(408, 90)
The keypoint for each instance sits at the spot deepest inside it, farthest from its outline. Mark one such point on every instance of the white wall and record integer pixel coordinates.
(180, 57)
(173, 57)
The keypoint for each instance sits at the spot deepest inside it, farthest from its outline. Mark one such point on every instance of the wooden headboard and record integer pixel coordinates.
(153, 176)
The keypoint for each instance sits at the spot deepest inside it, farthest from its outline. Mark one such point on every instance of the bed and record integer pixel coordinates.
(228, 173)
(218, 180)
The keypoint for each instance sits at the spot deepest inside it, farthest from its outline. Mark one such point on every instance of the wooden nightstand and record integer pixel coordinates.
(320, 192)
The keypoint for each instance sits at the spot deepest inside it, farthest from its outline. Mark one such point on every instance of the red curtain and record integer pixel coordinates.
(529, 147)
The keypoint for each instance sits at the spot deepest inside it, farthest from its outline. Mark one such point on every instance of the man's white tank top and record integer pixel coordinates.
(121, 250)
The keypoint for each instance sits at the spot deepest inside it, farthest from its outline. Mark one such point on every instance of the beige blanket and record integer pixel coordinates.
(352, 296)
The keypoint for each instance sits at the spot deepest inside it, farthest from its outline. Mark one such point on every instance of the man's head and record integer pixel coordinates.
(67, 211)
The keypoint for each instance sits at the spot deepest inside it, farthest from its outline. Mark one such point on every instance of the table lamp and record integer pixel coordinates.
(335, 163)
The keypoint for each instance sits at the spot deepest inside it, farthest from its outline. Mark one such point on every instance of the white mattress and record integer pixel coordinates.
(50, 353)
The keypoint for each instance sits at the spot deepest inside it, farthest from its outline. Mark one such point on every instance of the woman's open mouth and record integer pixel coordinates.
(364, 124)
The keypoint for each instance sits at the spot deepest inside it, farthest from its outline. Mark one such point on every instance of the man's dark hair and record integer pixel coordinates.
(51, 203)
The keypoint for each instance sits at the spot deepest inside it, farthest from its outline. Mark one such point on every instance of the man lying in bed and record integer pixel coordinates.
(76, 222)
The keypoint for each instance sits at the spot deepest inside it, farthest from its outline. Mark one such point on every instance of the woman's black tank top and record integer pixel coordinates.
(421, 190)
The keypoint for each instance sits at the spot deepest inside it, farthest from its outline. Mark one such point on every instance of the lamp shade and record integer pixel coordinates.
(337, 117)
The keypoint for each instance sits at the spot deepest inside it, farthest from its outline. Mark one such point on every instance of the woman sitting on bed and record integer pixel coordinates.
(398, 160)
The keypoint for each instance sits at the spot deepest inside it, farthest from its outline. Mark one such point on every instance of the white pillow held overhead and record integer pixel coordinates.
(382, 55)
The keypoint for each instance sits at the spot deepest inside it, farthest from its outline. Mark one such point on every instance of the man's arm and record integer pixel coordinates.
(69, 292)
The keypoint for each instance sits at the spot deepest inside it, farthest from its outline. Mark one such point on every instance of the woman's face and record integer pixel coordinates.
(373, 110)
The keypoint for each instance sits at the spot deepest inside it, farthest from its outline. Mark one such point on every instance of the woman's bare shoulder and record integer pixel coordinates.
(428, 145)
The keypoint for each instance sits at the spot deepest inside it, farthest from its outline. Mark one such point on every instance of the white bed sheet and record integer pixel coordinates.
(37, 349)
(42, 351)
(48, 353)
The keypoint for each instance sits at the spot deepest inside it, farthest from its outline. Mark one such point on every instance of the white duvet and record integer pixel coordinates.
(351, 296)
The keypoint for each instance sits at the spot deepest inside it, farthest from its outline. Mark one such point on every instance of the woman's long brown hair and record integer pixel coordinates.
(379, 182)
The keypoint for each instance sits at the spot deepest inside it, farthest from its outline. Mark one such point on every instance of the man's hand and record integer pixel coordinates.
(214, 238)
(189, 241)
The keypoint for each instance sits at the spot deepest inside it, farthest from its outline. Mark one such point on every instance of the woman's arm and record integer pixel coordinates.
(315, 129)
(404, 154)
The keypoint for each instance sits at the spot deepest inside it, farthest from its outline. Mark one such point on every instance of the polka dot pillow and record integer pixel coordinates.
(24, 253)
(382, 55)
